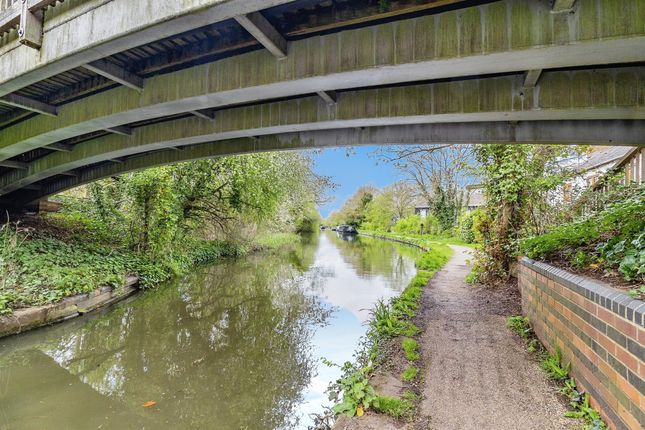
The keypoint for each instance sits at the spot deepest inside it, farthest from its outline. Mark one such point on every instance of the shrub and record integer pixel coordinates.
(411, 224)
(613, 238)
(465, 227)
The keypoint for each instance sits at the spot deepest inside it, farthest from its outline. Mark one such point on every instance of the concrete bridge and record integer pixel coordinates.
(96, 88)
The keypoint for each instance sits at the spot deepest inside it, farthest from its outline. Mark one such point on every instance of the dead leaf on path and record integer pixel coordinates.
(149, 404)
(359, 411)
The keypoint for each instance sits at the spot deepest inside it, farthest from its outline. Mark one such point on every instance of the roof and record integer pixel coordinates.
(476, 198)
(604, 155)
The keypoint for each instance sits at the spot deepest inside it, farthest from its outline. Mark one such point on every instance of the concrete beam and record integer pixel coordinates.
(258, 26)
(542, 132)
(328, 97)
(10, 17)
(109, 28)
(230, 81)
(29, 104)
(14, 164)
(563, 5)
(561, 96)
(121, 130)
(206, 114)
(59, 147)
(355, 110)
(531, 78)
(30, 32)
(116, 74)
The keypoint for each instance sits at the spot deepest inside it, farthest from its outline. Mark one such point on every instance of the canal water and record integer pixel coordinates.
(235, 345)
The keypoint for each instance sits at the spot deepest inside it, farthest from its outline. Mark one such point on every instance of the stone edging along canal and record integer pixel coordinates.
(398, 240)
(22, 320)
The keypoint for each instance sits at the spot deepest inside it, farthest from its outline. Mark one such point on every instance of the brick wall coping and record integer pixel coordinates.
(599, 292)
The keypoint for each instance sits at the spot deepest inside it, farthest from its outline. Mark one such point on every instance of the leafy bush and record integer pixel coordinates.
(42, 270)
(357, 393)
(613, 238)
(465, 227)
(411, 224)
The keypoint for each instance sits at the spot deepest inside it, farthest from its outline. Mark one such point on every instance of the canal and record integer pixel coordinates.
(235, 345)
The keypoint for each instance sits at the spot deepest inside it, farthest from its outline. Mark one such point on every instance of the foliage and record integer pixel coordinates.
(380, 212)
(613, 238)
(156, 223)
(518, 180)
(410, 373)
(44, 270)
(357, 393)
(465, 225)
(552, 364)
(353, 210)
(412, 224)
(411, 349)
(308, 221)
(438, 172)
(394, 407)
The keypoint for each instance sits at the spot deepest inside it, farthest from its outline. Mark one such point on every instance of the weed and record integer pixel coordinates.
(352, 392)
(552, 364)
(409, 374)
(411, 349)
(394, 407)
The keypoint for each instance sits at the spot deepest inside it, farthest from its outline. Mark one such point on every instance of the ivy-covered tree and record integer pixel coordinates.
(518, 181)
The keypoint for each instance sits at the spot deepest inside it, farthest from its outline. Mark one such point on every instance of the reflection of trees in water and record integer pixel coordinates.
(227, 345)
(374, 256)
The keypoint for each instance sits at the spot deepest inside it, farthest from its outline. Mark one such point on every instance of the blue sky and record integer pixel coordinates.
(350, 168)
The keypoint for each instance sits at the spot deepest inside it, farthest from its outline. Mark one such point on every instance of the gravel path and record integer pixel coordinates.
(479, 374)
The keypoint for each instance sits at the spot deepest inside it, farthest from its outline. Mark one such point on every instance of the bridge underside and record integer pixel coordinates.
(211, 78)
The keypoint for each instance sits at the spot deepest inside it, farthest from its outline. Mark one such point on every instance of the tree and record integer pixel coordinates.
(403, 197)
(439, 173)
(518, 180)
(380, 212)
(161, 206)
(353, 210)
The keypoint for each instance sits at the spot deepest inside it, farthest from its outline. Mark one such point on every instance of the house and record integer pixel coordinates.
(476, 197)
(422, 210)
(601, 160)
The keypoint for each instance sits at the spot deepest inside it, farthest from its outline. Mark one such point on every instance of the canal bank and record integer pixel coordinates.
(238, 343)
(473, 372)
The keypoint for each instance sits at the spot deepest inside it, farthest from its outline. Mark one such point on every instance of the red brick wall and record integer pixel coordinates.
(599, 330)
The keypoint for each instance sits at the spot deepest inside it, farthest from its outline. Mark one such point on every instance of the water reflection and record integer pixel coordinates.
(232, 346)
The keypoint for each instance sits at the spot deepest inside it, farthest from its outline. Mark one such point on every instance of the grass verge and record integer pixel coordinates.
(353, 392)
(558, 372)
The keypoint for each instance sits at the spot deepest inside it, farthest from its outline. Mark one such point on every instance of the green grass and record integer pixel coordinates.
(423, 239)
(394, 407)
(411, 349)
(409, 374)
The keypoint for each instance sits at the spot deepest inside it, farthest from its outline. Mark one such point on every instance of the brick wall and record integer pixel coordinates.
(599, 330)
